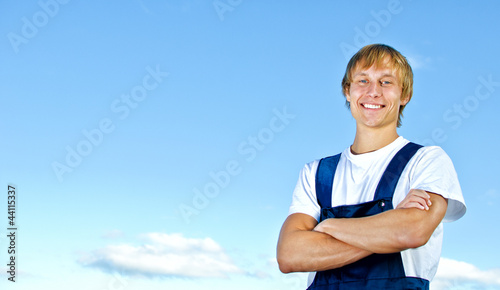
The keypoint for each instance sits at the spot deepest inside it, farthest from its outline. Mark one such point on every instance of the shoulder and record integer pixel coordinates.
(329, 162)
(432, 154)
(433, 150)
(432, 170)
(304, 196)
(431, 161)
(310, 168)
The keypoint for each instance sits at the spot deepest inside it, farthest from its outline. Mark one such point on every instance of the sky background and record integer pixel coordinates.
(156, 144)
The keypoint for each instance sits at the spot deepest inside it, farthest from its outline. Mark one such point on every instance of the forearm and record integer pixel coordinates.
(304, 250)
(383, 233)
(390, 231)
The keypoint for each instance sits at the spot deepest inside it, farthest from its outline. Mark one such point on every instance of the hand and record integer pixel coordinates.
(321, 227)
(416, 198)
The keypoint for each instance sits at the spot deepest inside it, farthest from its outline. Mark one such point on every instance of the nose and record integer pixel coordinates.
(374, 90)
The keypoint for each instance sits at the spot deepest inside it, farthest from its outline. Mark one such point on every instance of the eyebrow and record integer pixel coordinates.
(365, 74)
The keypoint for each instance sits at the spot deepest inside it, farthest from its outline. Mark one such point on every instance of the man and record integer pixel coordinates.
(370, 217)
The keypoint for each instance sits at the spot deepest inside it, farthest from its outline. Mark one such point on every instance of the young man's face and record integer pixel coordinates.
(375, 96)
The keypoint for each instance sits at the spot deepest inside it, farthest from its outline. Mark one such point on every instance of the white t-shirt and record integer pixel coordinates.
(357, 177)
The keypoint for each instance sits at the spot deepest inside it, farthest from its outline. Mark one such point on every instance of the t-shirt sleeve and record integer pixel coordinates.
(304, 195)
(434, 172)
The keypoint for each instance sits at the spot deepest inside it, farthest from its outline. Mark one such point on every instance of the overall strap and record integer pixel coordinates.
(387, 185)
(324, 180)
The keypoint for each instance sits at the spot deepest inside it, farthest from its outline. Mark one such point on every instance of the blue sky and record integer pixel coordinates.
(156, 145)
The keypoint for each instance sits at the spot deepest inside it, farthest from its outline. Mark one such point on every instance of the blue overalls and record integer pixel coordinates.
(377, 271)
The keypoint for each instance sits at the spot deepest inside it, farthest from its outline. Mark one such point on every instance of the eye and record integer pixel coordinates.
(386, 83)
(363, 81)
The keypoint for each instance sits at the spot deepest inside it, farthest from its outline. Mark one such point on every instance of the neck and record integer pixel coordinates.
(368, 140)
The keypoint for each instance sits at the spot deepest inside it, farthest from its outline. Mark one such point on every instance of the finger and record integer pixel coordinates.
(413, 204)
(420, 192)
(419, 199)
(418, 205)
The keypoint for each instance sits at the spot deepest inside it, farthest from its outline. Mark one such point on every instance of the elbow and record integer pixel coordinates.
(414, 242)
(288, 262)
(285, 268)
(285, 264)
(417, 231)
(414, 238)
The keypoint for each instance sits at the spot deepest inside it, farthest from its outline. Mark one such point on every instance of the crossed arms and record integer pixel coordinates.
(306, 246)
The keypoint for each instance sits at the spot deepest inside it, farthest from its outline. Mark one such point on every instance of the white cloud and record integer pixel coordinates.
(452, 272)
(164, 255)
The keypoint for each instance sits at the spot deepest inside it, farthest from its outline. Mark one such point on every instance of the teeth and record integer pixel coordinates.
(370, 106)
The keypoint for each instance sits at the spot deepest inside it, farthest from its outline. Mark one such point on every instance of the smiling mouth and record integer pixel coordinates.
(372, 106)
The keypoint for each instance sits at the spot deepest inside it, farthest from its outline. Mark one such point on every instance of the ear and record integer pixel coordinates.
(347, 95)
(405, 101)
